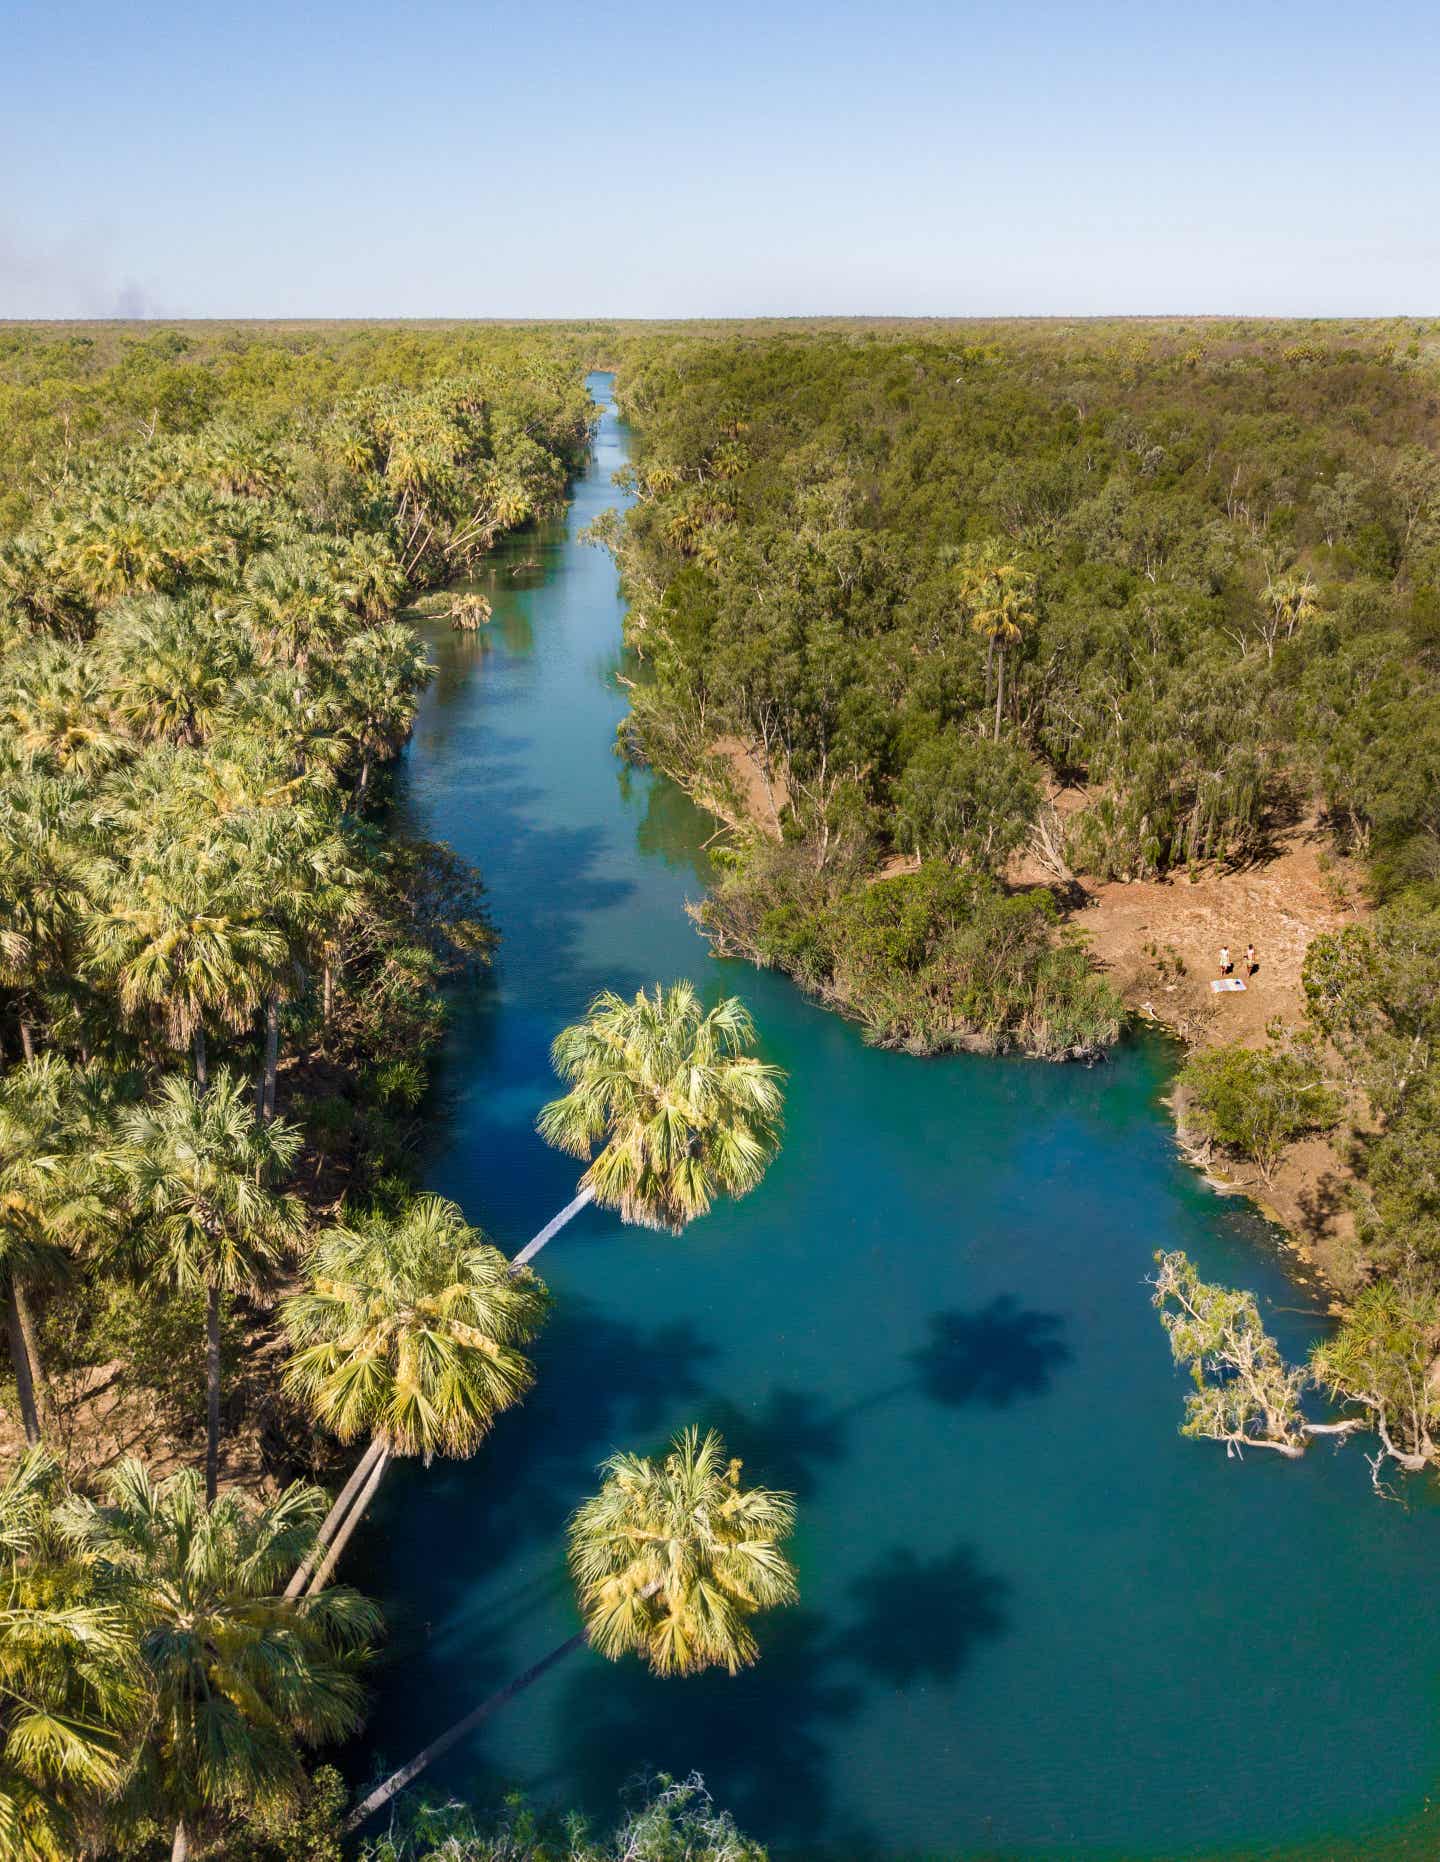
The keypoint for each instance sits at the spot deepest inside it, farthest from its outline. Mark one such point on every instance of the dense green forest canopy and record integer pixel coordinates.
(923, 578)
(927, 577)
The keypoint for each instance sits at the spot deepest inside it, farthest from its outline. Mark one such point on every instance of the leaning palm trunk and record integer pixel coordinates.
(333, 1519)
(553, 1227)
(212, 1394)
(452, 1735)
(437, 1748)
(21, 1361)
(356, 1514)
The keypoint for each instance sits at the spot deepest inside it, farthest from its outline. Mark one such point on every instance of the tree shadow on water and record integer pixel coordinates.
(759, 1738)
(992, 1356)
(603, 1383)
(921, 1619)
(785, 1442)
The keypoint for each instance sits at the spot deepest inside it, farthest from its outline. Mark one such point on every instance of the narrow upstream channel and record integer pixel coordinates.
(1033, 1618)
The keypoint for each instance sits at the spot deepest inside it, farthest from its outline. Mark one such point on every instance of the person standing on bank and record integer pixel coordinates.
(1225, 964)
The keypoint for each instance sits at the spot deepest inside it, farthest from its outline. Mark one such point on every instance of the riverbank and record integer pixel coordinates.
(1159, 942)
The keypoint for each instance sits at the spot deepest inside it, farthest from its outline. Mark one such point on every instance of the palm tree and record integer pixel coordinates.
(54, 1125)
(198, 1167)
(54, 705)
(1292, 599)
(670, 1560)
(300, 873)
(109, 552)
(373, 580)
(294, 600)
(679, 1110)
(409, 1333)
(45, 872)
(170, 668)
(998, 594)
(378, 676)
(241, 1677)
(71, 1689)
(178, 935)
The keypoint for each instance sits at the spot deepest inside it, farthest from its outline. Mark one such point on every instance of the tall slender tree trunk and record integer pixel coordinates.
(27, 1039)
(25, 1313)
(212, 1394)
(355, 1515)
(989, 668)
(180, 1848)
(20, 1359)
(327, 994)
(437, 1748)
(265, 1097)
(407, 1774)
(334, 1517)
(202, 1076)
(552, 1228)
(999, 694)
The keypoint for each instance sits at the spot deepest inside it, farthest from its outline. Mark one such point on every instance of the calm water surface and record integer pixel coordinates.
(1034, 1619)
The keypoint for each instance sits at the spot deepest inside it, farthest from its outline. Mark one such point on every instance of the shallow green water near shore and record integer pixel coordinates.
(1034, 1619)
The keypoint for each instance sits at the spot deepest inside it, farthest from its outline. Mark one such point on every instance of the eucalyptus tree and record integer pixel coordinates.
(1244, 1393)
(671, 1561)
(72, 1694)
(200, 1169)
(1380, 1361)
(56, 1122)
(409, 1332)
(241, 1678)
(666, 1104)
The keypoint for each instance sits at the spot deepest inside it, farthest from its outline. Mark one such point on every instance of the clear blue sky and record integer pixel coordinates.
(552, 158)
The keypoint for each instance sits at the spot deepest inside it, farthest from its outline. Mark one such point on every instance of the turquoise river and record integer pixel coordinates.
(1034, 1620)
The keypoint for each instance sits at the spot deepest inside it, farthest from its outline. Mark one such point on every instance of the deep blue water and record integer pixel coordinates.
(1034, 1619)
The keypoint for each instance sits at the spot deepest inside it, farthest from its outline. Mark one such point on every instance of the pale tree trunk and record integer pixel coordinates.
(999, 694)
(212, 1395)
(989, 668)
(356, 1514)
(25, 1313)
(180, 1848)
(437, 1748)
(20, 1359)
(265, 1097)
(407, 1774)
(552, 1228)
(202, 1077)
(327, 1010)
(336, 1514)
